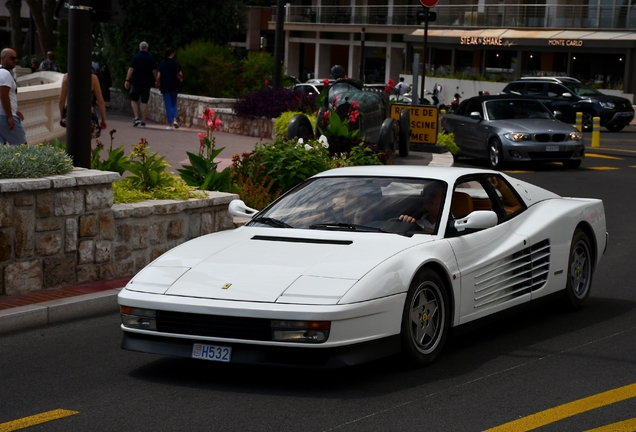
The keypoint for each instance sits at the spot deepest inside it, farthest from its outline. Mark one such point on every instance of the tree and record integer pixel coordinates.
(42, 13)
(14, 7)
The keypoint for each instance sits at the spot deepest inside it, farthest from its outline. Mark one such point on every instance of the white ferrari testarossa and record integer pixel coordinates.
(364, 262)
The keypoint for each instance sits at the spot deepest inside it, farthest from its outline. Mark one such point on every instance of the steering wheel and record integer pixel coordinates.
(415, 226)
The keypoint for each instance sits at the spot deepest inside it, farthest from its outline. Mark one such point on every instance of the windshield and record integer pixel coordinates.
(366, 204)
(582, 89)
(516, 109)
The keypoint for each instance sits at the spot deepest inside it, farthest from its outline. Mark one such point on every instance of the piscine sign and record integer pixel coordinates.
(424, 121)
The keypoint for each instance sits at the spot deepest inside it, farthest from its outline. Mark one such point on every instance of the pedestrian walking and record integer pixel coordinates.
(168, 77)
(49, 64)
(401, 87)
(142, 74)
(11, 128)
(97, 99)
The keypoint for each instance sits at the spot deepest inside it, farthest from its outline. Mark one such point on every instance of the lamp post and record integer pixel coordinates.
(278, 44)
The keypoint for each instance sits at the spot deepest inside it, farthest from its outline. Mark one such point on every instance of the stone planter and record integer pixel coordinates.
(62, 230)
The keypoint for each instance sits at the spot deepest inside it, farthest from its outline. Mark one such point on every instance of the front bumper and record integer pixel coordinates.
(617, 118)
(293, 356)
(533, 151)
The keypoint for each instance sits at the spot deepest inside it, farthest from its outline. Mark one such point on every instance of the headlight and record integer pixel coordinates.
(575, 136)
(300, 331)
(144, 319)
(607, 105)
(518, 136)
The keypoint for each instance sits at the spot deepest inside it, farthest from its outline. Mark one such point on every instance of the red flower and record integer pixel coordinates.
(391, 82)
(353, 112)
(326, 82)
(335, 102)
(266, 82)
(325, 116)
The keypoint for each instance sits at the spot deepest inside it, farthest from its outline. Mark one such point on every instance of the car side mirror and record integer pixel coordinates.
(567, 95)
(479, 219)
(475, 115)
(558, 115)
(238, 208)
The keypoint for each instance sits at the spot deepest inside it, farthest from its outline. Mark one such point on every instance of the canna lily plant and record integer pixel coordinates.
(202, 172)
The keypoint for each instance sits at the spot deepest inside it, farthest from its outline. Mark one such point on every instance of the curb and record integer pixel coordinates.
(56, 311)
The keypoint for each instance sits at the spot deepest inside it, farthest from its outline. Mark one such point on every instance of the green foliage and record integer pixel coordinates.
(340, 128)
(447, 140)
(256, 68)
(147, 168)
(291, 162)
(115, 161)
(281, 123)
(125, 190)
(209, 70)
(169, 24)
(360, 154)
(33, 161)
(251, 182)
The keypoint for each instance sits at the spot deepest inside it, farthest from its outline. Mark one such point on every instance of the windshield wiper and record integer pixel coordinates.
(272, 222)
(345, 226)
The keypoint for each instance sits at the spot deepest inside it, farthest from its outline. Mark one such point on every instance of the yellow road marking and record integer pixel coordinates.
(623, 426)
(570, 409)
(33, 420)
(600, 156)
(617, 150)
(602, 168)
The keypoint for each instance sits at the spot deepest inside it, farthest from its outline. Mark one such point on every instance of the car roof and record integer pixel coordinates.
(447, 174)
(551, 79)
(502, 96)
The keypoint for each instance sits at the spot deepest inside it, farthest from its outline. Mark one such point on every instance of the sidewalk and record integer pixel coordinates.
(23, 311)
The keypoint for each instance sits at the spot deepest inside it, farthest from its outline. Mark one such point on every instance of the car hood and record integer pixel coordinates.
(616, 100)
(533, 126)
(270, 265)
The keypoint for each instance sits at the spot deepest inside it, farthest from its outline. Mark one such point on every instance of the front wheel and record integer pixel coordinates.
(495, 153)
(388, 138)
(299, 127)
(405, 133)
(426, 318)
(579, 281)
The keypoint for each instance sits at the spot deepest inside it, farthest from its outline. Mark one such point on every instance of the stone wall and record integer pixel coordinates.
(63, 230)
(190, 109)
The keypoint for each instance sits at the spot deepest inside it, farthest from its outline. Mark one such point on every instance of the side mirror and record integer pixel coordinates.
(567, 95)
(557, 115)
(479, 219)
(475, 115)
(238, 208)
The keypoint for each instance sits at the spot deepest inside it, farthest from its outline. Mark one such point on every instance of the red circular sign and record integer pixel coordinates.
(429, 3)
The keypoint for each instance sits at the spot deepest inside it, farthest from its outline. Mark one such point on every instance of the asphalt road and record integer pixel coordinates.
(521, 368)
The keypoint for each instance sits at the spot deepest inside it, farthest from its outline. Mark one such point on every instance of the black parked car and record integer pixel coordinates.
(569, 96)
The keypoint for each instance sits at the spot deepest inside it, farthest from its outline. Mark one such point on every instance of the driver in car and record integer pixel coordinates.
(432, 194)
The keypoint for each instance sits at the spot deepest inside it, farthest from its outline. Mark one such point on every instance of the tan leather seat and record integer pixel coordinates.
(462, 205)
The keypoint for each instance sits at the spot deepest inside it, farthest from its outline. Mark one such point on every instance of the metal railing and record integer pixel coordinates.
(488, 15)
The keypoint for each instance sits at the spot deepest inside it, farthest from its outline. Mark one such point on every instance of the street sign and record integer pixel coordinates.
(424, 121)
(101, 10)
(421, 16)
(429, 3)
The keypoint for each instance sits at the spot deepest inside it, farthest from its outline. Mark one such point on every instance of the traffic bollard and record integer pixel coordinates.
(579, 121)
(596, 132)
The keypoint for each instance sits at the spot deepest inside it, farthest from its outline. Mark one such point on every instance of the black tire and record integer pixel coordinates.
(495, 153)
(572, 164)
(299, 127)
(404, 141)
(615, 128)
(579, 279)
(388, 138)
(588, 122)
(426, 318)
(321, 123)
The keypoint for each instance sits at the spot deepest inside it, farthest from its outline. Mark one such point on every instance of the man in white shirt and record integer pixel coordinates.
(11, 128)
(402, 87)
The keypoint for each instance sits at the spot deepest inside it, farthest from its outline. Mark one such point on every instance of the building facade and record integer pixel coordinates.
(375, 40)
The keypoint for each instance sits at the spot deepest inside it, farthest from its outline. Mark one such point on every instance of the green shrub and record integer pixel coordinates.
(126, 191)
(447, 140)
(209, 70)
(33, 161)
(256, 68)
(282, 122)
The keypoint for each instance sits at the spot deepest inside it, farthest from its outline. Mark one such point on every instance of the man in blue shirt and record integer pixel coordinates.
(143, 71)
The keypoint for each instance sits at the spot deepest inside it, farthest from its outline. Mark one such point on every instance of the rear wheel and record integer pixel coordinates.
(495, 153)
(299, 127)
(579, 281)
(615, 128)
(405, 132)
(388, 138)
(426, 318)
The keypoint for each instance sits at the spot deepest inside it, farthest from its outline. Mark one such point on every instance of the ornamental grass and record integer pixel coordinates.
(33, 161)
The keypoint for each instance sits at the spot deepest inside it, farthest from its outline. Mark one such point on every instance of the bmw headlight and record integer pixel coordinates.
(517, 136)
(607, 105)
(575, 136)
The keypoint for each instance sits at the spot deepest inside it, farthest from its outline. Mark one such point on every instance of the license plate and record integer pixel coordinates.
(211, 352)
(551, 148)
(625, 114)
